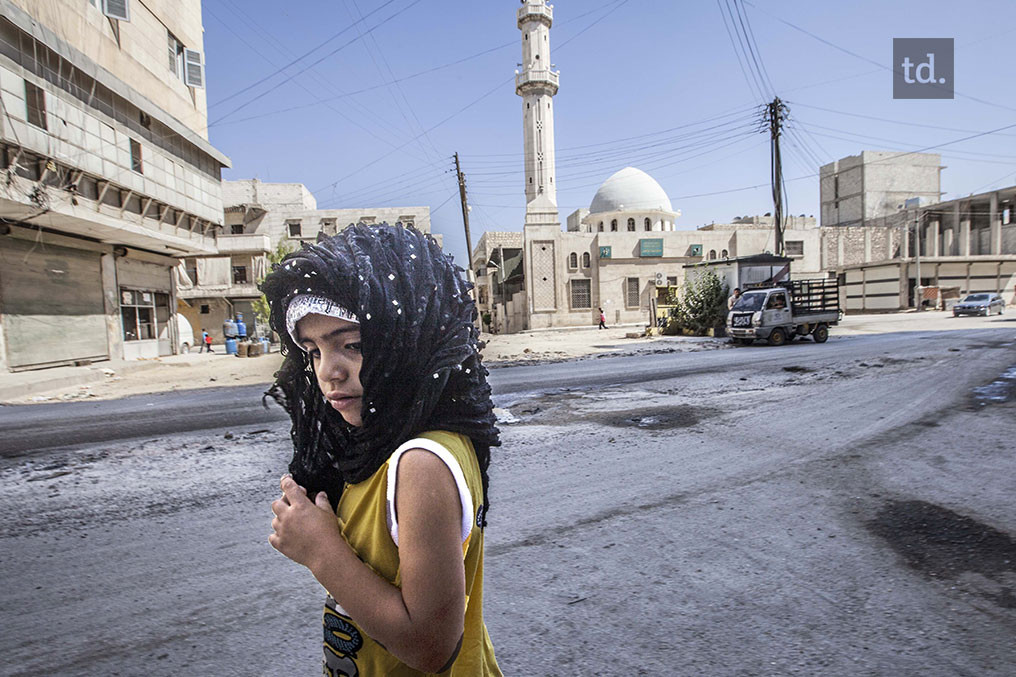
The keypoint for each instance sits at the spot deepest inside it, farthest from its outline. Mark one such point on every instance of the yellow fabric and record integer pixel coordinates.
(363, 520)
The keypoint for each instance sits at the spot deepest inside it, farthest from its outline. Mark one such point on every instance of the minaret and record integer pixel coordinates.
(537, 85)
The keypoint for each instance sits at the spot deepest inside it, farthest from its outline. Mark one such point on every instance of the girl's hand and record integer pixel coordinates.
(304, 530)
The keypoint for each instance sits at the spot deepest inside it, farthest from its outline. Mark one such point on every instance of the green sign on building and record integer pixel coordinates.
(605, 252)
(651, 247)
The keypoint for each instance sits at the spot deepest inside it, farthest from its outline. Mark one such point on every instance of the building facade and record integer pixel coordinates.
(859, 189)
(108, 176)
(259, 217)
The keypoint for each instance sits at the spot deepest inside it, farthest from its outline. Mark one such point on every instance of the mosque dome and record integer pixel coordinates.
(630, 190)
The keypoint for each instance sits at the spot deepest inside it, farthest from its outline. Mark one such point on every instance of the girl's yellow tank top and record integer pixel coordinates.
(365, 517)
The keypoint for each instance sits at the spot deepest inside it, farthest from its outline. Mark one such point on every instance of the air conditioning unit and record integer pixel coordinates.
(660, 279)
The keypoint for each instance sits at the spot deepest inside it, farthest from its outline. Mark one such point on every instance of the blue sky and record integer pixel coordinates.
(656, 85)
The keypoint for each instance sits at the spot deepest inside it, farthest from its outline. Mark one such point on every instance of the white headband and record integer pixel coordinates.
(309, 304)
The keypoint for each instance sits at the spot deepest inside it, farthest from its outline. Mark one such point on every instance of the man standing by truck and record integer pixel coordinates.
(733, 298)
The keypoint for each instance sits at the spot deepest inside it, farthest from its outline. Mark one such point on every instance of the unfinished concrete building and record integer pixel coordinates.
(108, 176)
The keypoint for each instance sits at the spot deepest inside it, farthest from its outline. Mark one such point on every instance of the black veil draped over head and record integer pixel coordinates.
(421, 363)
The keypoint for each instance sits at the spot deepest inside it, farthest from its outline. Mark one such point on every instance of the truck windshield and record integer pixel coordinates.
(750, 302)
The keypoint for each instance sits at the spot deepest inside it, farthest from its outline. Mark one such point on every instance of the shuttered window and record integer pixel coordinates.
(116, 9)
(631, 296)
(193, 68)
(580, 297)
(795, 248)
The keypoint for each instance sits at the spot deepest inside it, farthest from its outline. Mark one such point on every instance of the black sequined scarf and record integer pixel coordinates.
(421, 363)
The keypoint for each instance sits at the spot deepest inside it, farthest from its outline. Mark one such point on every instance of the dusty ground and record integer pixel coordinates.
(181, 372)
(834, 510)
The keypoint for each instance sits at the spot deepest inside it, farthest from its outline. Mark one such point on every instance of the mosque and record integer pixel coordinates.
(613, 255)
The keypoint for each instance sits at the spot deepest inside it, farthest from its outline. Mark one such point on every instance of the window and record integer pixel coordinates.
(580, 297)
(192, 272)
(35, 98)
(175, 55)
(573, 260)
(193, 68)
(585, 259)
(601, 227)
(136, 157)
(236, 229)
(613, 225)
(631, 225)
(116, 9)
(648, 224)
(367, 219)
(671, 280)
(239, 274)
(725, 254)
(794, 247)
(328, 226)
(631, 292)
(205, 310)
(294, 227)
(836, 187)
(137, 311)
(712, 254)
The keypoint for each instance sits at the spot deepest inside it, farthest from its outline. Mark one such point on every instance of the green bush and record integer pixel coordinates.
(701, 306)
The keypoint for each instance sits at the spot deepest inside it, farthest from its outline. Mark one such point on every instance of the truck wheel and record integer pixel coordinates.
(821, 333)
(778, 337)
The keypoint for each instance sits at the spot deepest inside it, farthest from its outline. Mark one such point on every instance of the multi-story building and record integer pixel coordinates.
(858, 189)
(259, 217)
(108, 176)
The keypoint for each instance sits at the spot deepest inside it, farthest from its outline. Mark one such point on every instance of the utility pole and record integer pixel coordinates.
(465, 213)
(919, 292)
(775, 115)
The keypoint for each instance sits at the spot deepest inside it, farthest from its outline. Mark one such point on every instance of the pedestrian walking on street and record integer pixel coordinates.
(603, 320)
(392, 427)
(206, 342)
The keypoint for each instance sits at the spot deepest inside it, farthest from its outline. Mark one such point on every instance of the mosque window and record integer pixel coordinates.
(631, 225)
(613, 225)
(601, 226)
(724, 254)
(648, 224)
(585, 259)
(573, 260)
(580, 294)
(631, 289)
(712, 254)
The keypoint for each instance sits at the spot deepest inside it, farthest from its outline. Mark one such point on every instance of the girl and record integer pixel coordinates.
(392, 429)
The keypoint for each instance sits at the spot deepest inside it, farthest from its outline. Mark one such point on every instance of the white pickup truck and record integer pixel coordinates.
(778, 314)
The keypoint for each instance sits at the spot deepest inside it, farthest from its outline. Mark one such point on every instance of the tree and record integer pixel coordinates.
(260, 306)
(701, 306)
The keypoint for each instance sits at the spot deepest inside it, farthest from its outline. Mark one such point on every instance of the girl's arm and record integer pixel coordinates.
(421, 623)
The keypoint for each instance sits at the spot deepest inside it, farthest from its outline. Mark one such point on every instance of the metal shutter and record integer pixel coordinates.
(193, 68)
(116, 9)
(53, 310)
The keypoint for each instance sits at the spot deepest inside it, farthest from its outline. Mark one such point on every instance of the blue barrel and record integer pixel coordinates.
(241, 329)
(267, 344)
(231, 346)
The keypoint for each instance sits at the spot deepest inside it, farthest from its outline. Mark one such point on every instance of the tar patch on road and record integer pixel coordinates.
(942, 544)
(654, 418)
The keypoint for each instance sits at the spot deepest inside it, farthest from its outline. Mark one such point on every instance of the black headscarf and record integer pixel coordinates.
(421, 363)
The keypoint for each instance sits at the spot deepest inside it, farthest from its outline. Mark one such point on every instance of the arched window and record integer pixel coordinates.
(649, 224)
(585, 259)
(724, 254)
(631, 225)
(573, 260)
(613, 225)
(712, 254)
(601, 226)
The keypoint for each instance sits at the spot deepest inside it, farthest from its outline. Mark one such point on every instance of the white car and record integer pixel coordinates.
(184, 333)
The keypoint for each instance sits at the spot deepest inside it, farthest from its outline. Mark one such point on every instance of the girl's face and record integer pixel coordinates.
(334, 349)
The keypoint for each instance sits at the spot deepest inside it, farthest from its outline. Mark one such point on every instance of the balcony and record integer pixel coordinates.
(243, 244)
(538, 78)
(232, 291)
(535, 10)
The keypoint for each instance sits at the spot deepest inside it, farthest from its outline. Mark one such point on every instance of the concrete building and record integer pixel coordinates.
(498, 269)
(858, 189)
(259, 217)
(108, 176)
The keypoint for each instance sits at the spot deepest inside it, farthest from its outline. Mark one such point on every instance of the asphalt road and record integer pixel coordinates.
(27, 428)
(839, 509)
